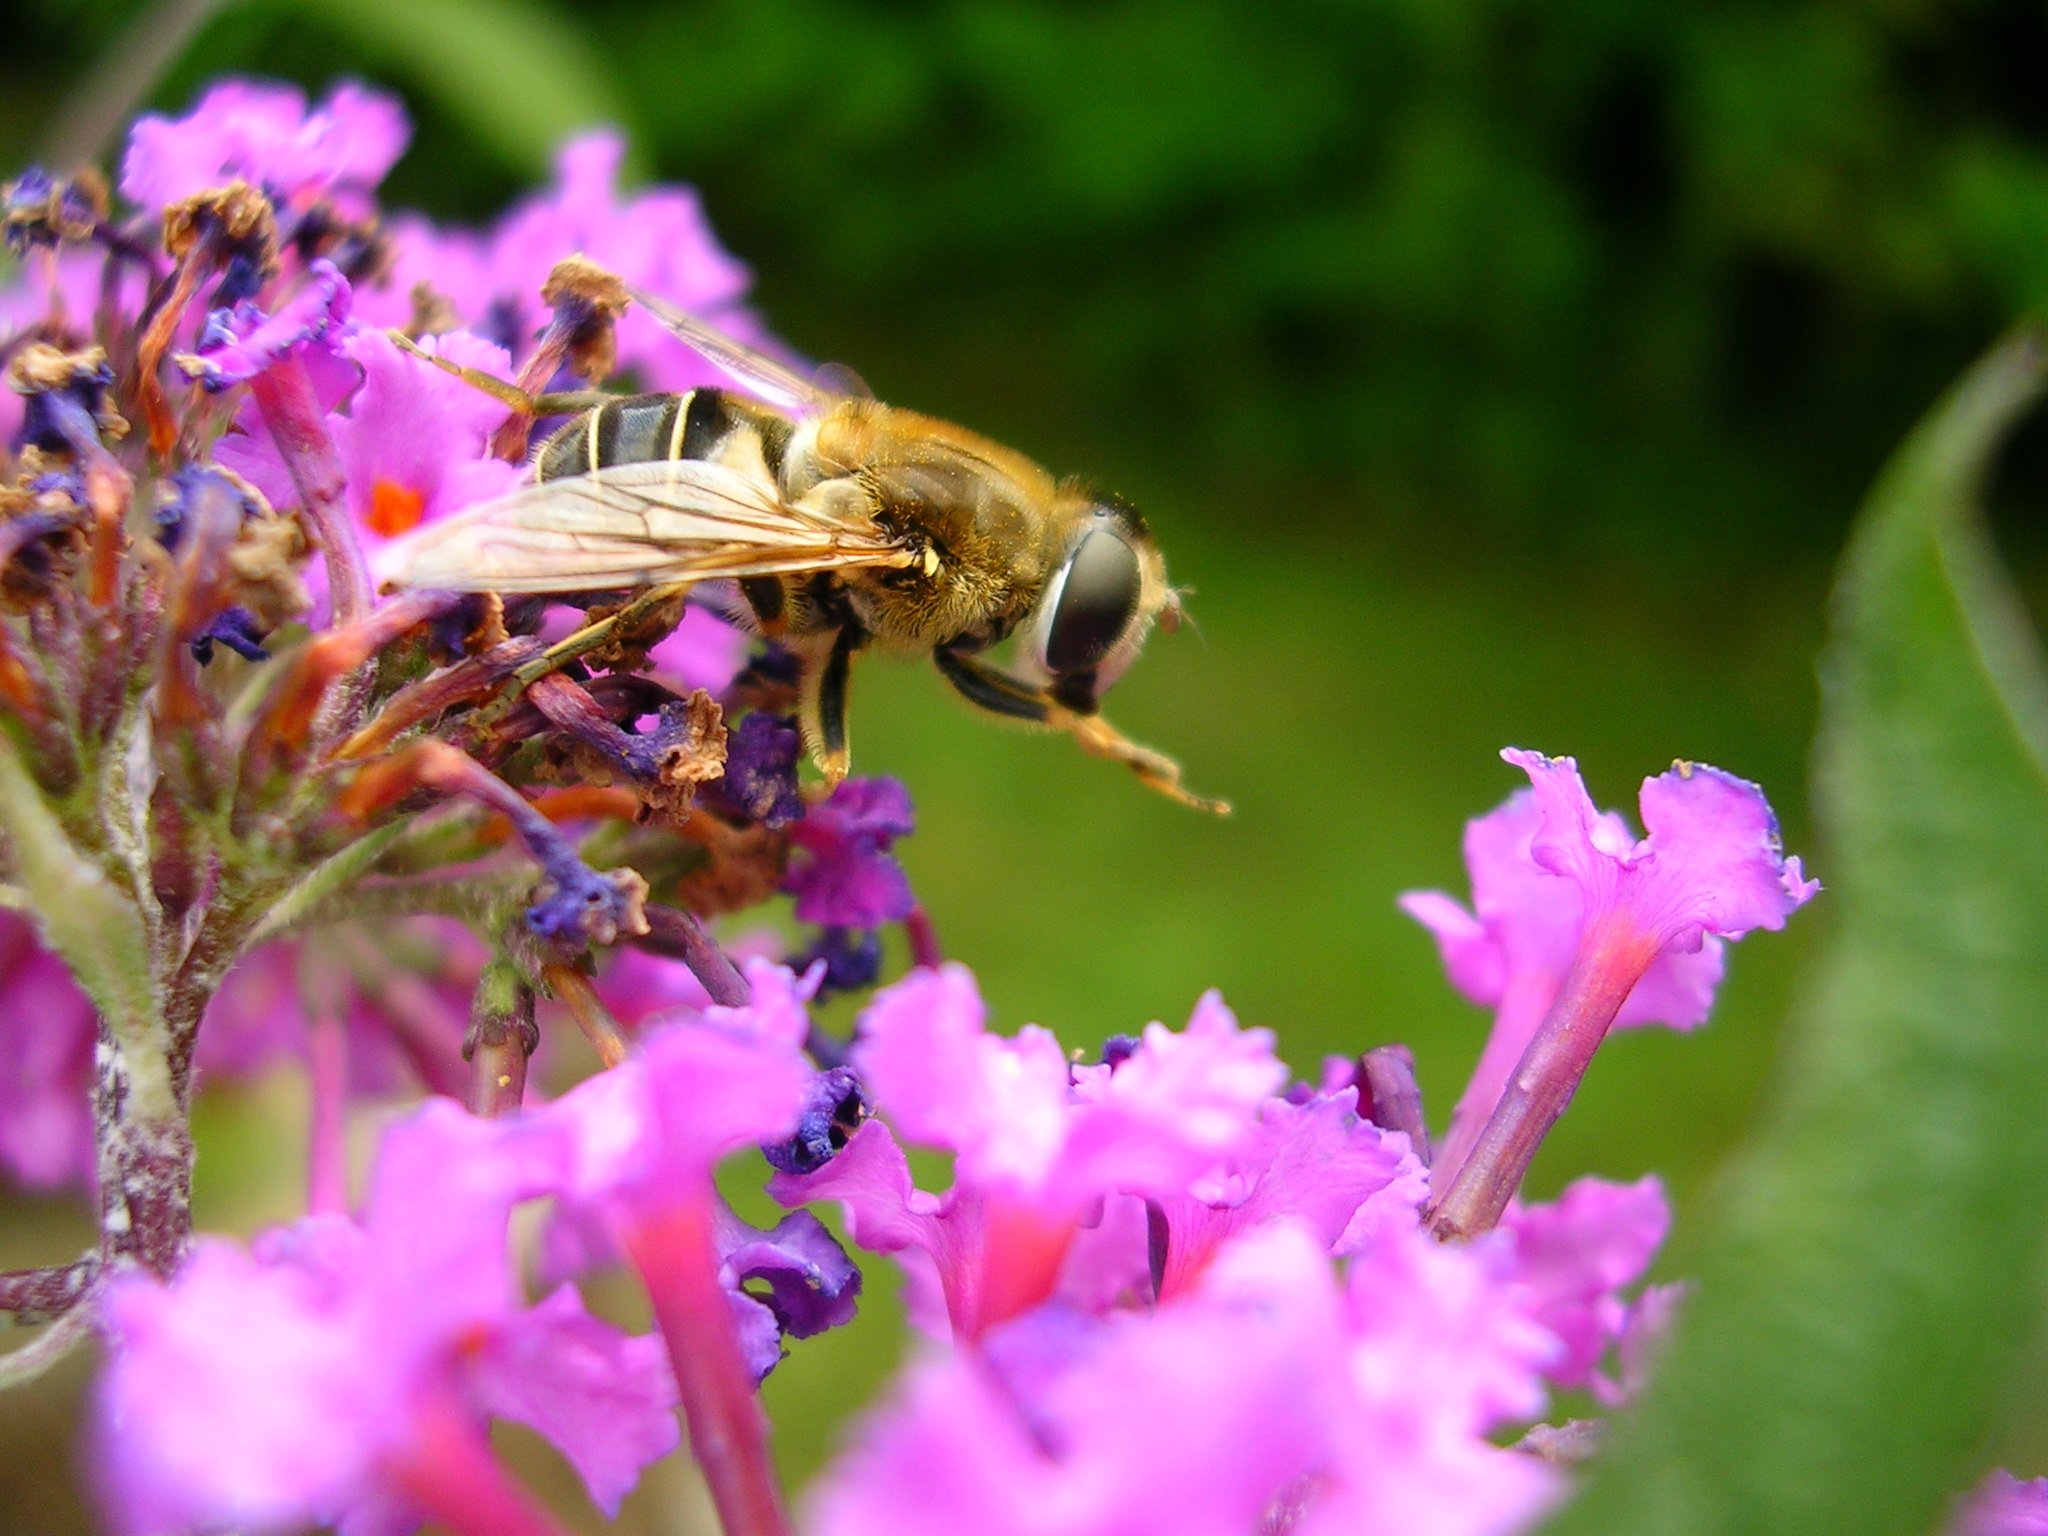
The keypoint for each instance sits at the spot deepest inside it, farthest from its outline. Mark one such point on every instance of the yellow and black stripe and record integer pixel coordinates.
(646, 429)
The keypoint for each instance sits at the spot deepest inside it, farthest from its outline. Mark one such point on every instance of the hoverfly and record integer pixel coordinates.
(829, 522)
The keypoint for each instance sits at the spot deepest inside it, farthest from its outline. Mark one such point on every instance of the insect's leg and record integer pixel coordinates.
(503, 391)
(507, 394)
(1001, 694)
(997, 692)
(580, 643)
(822, 713)
(769, 601)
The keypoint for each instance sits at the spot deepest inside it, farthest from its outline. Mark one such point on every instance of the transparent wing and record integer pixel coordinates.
(774, 383)
(639, 525)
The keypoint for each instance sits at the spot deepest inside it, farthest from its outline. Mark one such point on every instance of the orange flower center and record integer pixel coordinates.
(394, 509)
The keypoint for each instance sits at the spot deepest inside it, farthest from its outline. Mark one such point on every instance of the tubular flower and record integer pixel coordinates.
(1037, 1147)
(310, 1379)
(1271, 1397)
(1711, 868)
(1511, 950)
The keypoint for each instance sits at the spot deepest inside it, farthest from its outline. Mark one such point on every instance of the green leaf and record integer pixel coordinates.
(1874, 1264)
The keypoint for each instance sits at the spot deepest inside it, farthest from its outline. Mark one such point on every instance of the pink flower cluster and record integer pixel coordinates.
(1164, 1286)
(1167, 1288)
(412, 445)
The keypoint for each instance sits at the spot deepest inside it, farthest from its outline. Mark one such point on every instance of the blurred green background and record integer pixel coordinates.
(1496, 372)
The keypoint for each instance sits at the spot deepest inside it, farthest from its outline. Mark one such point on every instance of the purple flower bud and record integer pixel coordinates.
(852, 959)
(236, 628)
(1118, 1049)
(66, 420)
(796, 1270)
(849, 878)
(175, 497)
(834, 1107)
(760, 770)
(581, 905)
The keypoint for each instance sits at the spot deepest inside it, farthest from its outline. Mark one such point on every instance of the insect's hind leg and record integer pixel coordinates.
(996, 691)
(504, 391)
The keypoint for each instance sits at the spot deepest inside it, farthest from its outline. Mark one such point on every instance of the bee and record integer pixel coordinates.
(830, 523)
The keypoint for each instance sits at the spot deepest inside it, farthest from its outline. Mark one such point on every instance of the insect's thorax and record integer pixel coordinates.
(985, 513)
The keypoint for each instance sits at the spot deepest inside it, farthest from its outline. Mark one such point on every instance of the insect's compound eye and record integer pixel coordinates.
(1093, 599)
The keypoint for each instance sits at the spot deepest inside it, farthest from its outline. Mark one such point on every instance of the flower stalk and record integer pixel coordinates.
(1612, 960)
(677, 1257)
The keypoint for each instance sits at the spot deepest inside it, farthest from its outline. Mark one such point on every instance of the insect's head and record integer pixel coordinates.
(1104, 595)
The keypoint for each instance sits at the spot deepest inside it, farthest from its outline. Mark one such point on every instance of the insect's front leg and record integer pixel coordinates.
(989, 688)
(827, 669)
(503, 391)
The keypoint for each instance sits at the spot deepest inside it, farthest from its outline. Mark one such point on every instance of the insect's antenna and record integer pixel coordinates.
(1175, 614)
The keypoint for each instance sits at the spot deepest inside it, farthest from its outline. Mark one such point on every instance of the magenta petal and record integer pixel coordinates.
(605, 1399)
(1191, 1420)
(1712, 862)
(46, 1122)
(1316, 1165)
(1575, 1255)
(703, 651)
(240, 343)
(925, 1056)
(1472, 957)
(649, 1132)
(1202, 1083)
(2004, 1505)
(241, 1395)
(870, 1178)
(263, 134)
(1721, 865)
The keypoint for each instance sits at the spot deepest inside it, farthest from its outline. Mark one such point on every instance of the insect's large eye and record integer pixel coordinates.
(1093, 598)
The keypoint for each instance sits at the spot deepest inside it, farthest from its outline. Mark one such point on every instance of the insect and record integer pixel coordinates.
(830, 523)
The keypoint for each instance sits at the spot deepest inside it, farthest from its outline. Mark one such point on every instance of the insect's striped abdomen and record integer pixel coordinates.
(642, 429)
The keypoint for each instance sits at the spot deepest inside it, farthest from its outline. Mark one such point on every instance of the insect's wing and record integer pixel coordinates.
(637, 525)
(759, 373)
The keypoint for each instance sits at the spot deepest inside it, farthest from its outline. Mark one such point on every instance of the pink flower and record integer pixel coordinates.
(263, 134)
(1317, 1165)
(46, 1119)
(1710, 868)
(1511, 952)
(1036, 1149)
(1575, 1256)
(640, 1143)
(308, 1381)
(657, 240)
(2004, 1505)
(1269, 1398)
(412, 440)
